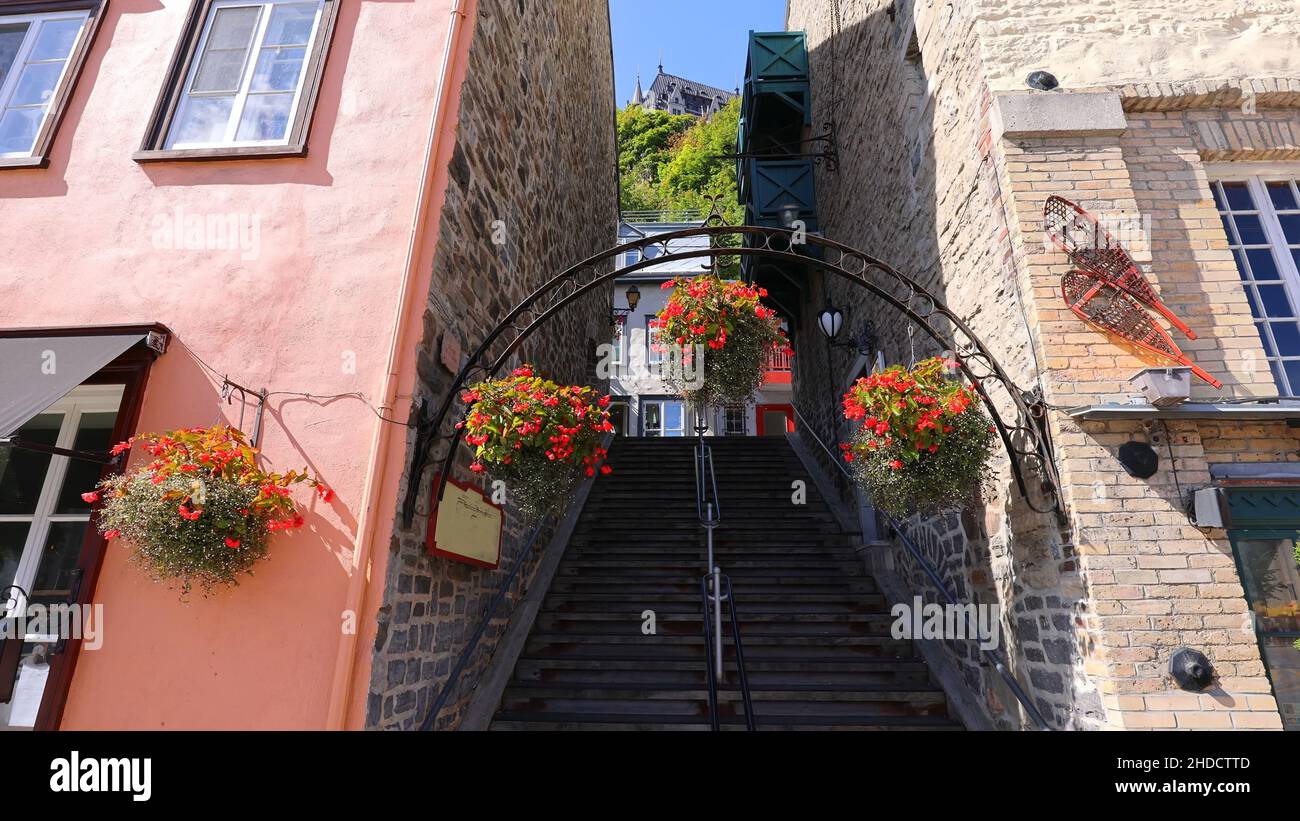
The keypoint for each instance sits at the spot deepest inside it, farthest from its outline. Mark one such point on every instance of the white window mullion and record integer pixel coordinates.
(20, 59)
(302, 70)
(246, 78)
(31, 560)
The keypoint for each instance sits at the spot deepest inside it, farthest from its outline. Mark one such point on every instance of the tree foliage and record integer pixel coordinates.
(674, 162)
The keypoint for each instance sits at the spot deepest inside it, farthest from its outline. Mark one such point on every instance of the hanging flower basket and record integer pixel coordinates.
(923, 443)
(540, 438)
(733, 331)
(202, 511)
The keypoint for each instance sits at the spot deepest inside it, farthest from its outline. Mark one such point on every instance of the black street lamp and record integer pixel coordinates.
(830, 321)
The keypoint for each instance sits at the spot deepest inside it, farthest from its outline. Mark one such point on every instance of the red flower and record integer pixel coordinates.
(188, 514)
(111, 534)
(896, 464)
(326, 493)
(232, 543)
(605, 470)
(90, 498)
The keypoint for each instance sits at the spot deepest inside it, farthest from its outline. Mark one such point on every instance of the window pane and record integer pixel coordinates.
(1282, 196)
(11, 39)
(55, 40)
(18, 127)
(232, 28)
(1254, 302)
(266, 117)
(203, 120)
(1218, 199)
(222, 64)
(1290, 227)
(1263, 337)
(36, 84)
(1272, 581)
(219, 71)
(673, 416)
(1293, 377)
(58, 559)
(1242, 270)
(1250, 230)
(13, 535)
(1238, 196)
(22, 472)
(278, 69)
(1262, 264)
(94, 434)
(1280, 379)
(1287, 335)
(1283, 661)
(1274, 300)
(290, 25)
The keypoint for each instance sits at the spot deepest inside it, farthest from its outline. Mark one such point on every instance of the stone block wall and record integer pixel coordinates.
(1094, 605)
(532, 192)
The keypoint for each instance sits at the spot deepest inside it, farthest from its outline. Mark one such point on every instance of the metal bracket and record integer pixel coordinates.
(228, 389)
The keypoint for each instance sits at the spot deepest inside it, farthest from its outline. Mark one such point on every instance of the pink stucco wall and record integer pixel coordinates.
(83, 248)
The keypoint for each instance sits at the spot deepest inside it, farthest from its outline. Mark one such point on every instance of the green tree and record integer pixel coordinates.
(697, 168)
(674, 162)
(646, 142)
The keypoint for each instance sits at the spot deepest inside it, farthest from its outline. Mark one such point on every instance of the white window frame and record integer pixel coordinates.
(652, 357)
(38, 21)
(1256, 177)
(664, 432)
(265, 7)
(79, 402)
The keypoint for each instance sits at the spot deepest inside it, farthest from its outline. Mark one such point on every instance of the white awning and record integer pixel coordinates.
(36, 372)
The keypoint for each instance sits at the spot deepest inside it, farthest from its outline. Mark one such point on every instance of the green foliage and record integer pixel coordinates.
(177, 548)
(674, 162)
(922, 443)
(536, 436)
(727, 318)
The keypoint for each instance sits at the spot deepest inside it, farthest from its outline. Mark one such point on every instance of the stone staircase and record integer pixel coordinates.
(815, 627)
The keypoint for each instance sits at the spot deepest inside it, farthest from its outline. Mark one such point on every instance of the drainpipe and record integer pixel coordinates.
(368, 523)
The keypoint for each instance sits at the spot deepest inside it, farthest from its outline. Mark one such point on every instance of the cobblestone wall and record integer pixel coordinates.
(532, 192)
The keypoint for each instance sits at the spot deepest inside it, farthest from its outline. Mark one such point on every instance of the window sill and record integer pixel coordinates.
(247, 152)
(24, 162)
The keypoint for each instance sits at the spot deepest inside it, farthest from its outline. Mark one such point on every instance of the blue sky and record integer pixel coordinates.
(702, 40)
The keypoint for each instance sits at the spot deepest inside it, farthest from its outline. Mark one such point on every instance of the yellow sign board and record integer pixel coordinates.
(466, 526)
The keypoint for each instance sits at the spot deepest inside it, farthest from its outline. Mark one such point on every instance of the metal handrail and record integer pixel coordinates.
(706, 486)
(468, 652)
(715, 657)
(709, 510)
(992, 656)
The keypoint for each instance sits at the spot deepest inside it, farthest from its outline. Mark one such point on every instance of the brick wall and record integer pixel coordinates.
(539, 73)
(1092, 607)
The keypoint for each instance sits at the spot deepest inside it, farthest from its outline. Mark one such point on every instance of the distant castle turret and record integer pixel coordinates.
(677, 95)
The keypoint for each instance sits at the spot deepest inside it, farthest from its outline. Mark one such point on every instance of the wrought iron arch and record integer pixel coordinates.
(1023, 437)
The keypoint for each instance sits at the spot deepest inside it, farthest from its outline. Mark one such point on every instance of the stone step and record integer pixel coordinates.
(688, 603)
(523, 722)
(746, 590)
(751, 624)
(818, 652)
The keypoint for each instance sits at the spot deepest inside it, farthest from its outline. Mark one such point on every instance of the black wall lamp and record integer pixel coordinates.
(618, 316)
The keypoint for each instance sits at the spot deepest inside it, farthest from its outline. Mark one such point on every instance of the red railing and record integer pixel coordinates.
(778, 360)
